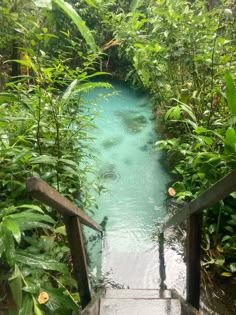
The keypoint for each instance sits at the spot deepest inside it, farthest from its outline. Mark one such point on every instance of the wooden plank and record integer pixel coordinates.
(75, 238)
(51, 197)
(194, 231)
(211, 196)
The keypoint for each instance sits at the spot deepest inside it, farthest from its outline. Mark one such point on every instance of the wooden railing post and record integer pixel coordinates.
(194, 230)
(193, 213)
(75, 238)
(162, 267)
(72, 217)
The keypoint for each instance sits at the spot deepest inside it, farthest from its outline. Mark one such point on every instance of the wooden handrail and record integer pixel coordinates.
(51, 197)
(72, 217)
(207, 199)
(192, 212)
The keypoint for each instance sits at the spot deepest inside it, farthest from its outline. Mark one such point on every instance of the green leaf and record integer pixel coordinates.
(229, 228)
(232, 267)
(27, 305)
(33, 207)
(12, 226)
(220, 261)
(59, 297)
(232, 222)
(190, 122)
(230, 92)
(91, 3)
(66, 96)
(233, 195)
(2, 247)
(7, 97)
(187, 109)
(233, 216)
(15, 284)
(71, 171)
(43, 4)
(40, 261)
(226, 274)
(44, 159)
(173, 113)
(24, 226)
(212, 228)
(199, 130)
(37, 310)
(28, 220)
(8, 245)
(79, 22)
(26, 63)
(34, 288)
(70, 162)
(206, 140)
(135, 4)
(226, 238)
(85, 87)
(230, 138)
(61, 230)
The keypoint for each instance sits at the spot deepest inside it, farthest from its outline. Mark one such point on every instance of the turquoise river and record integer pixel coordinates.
(129, 166)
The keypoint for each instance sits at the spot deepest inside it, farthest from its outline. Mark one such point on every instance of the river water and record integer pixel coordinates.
(131, 170)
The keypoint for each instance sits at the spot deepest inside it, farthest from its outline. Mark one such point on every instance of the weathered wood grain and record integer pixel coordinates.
(211, 196)
(75, 238)
(48, 195)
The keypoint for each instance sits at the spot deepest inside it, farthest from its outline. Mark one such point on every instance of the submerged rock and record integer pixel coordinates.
(111, 142)
(144, 148)
(133, 122)
(128, 161)
(108, 172)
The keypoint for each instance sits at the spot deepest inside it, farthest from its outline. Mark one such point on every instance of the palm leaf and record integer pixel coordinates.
(78, 21)
(66, 96)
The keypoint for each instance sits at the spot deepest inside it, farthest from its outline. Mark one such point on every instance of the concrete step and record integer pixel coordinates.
(137, 294)
(133, 302)
(139, 306)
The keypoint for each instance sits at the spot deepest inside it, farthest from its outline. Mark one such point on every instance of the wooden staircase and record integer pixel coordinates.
(130, 301)
(134, 302)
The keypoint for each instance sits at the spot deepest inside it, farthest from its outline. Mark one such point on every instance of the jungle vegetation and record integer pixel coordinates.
(182, 52)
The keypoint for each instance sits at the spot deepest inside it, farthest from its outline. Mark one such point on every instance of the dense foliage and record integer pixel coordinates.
(44, 132)
(185, 55)
(182, 51)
